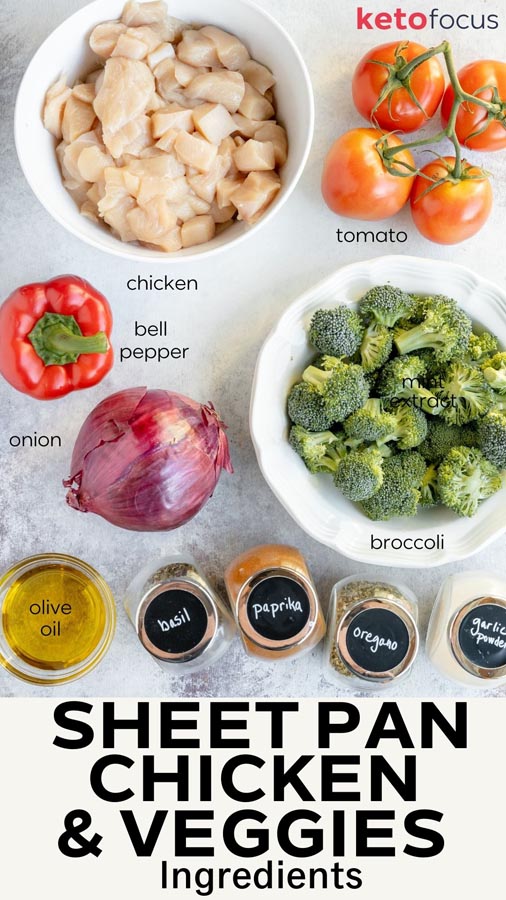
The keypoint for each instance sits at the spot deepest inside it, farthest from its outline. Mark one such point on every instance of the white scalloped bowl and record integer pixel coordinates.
(66, 51)
(312, 500)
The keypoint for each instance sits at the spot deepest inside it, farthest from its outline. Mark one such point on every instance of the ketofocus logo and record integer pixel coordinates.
(401, 20)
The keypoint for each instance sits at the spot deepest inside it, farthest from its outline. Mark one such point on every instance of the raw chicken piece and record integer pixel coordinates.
(213, 121)
(78, 118)
(84, 92)
(151, 225)
(167, 141)
(166, 81)
(196, 49)
(225, 188)
(92, 162)
(185, 74)
(54, 107)
(258, 76)
(175, 190)
(159, 54)
(231, 51)
(205, 185)
(130, 46)
(172, 117)
(90, 210)
(170, 243)
(104, 38)
(195, 151)
(269, 131)
(132, 138)
(222, 87)
(255, 195)
(147, 35)
(254, 105)
(96, 192)
(160, 166)
(255, 156)
(125, 93)
(144, 13)
(116, 204)
(72, 153)
(93, 77)
(222, 214)
(246, 127)
(199, 230)
(156, 102)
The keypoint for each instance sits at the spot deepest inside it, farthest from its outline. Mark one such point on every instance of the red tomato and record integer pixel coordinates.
(355, 181)
(452, 211)
(485, 73)
(398, 111)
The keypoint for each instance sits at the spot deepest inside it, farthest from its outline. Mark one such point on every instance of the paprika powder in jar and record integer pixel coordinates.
(274, 602)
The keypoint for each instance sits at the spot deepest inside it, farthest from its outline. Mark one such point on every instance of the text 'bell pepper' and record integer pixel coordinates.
(54, 337)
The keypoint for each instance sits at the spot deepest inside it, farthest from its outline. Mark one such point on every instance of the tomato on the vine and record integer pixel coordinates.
(447, 210)
(407, 103)
(356, 182)
(485, 78)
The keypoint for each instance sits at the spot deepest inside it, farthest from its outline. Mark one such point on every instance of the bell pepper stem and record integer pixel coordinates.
(58, 340)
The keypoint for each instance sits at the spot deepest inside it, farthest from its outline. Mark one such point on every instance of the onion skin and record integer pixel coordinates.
(147, 460)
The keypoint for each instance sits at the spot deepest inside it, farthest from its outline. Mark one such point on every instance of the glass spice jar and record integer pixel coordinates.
(372, 636)
(466, 640)
(179, 618)
(274, 601)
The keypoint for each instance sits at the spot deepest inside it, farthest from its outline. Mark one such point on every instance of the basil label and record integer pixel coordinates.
(482, 636)
(278, 608)
(377, 640)
(175, 621)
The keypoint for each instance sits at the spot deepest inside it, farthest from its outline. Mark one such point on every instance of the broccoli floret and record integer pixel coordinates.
(376, 347)
(360, 474)
(492, 437)
(399, 494)
(482, 346)
(306, 408)
(465, 479)
(494, 370)
(400, 379)
(429, 495)
(464, 394)
(386, 305)
(321, 451)
(442, 437)
(370, 423)
(342, 386)
(336, 332)
(410, 428)
(445, 328)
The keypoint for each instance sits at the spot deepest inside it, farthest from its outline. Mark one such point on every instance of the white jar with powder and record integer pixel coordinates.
(466, 640)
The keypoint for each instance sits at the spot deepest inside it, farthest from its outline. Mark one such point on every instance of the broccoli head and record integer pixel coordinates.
(370, 423)
(360, 474)
(400, 379)
(306, 408)
(399, 495)
(336, 332)
(444, 328)
(321, 451)
(376, 347)
(465, 479)
(386, 305)
(342, 387)
(464, 394)
(494, 370)
(442, 437)
(410, 428)
(492, 437)
(482, 346)
(428, 487)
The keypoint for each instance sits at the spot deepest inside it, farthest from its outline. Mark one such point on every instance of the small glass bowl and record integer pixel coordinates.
(88, 645)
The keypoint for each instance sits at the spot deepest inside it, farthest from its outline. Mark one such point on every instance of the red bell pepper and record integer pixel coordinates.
(54, 337)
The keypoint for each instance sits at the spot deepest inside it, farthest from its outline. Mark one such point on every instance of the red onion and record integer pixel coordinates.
(147, 460)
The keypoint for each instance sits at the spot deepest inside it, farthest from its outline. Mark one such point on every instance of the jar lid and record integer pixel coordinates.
(277, 609)
(177, 620)
(377, 640)
(478, 637)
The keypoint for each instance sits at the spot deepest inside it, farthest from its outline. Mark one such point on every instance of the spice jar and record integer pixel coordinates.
(372, 633)
(274, 602)
(57, 619)
(466, 640)
(179, 618)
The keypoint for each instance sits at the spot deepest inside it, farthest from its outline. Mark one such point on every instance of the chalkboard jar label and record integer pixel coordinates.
(175, 622)
(278, 608)
(480, 630)
(377, 640)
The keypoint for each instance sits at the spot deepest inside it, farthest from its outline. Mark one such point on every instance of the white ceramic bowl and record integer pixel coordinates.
(66, 51)
(313, 500)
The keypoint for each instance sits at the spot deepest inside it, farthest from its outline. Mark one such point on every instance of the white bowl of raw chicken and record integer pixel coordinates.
(66, 52)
